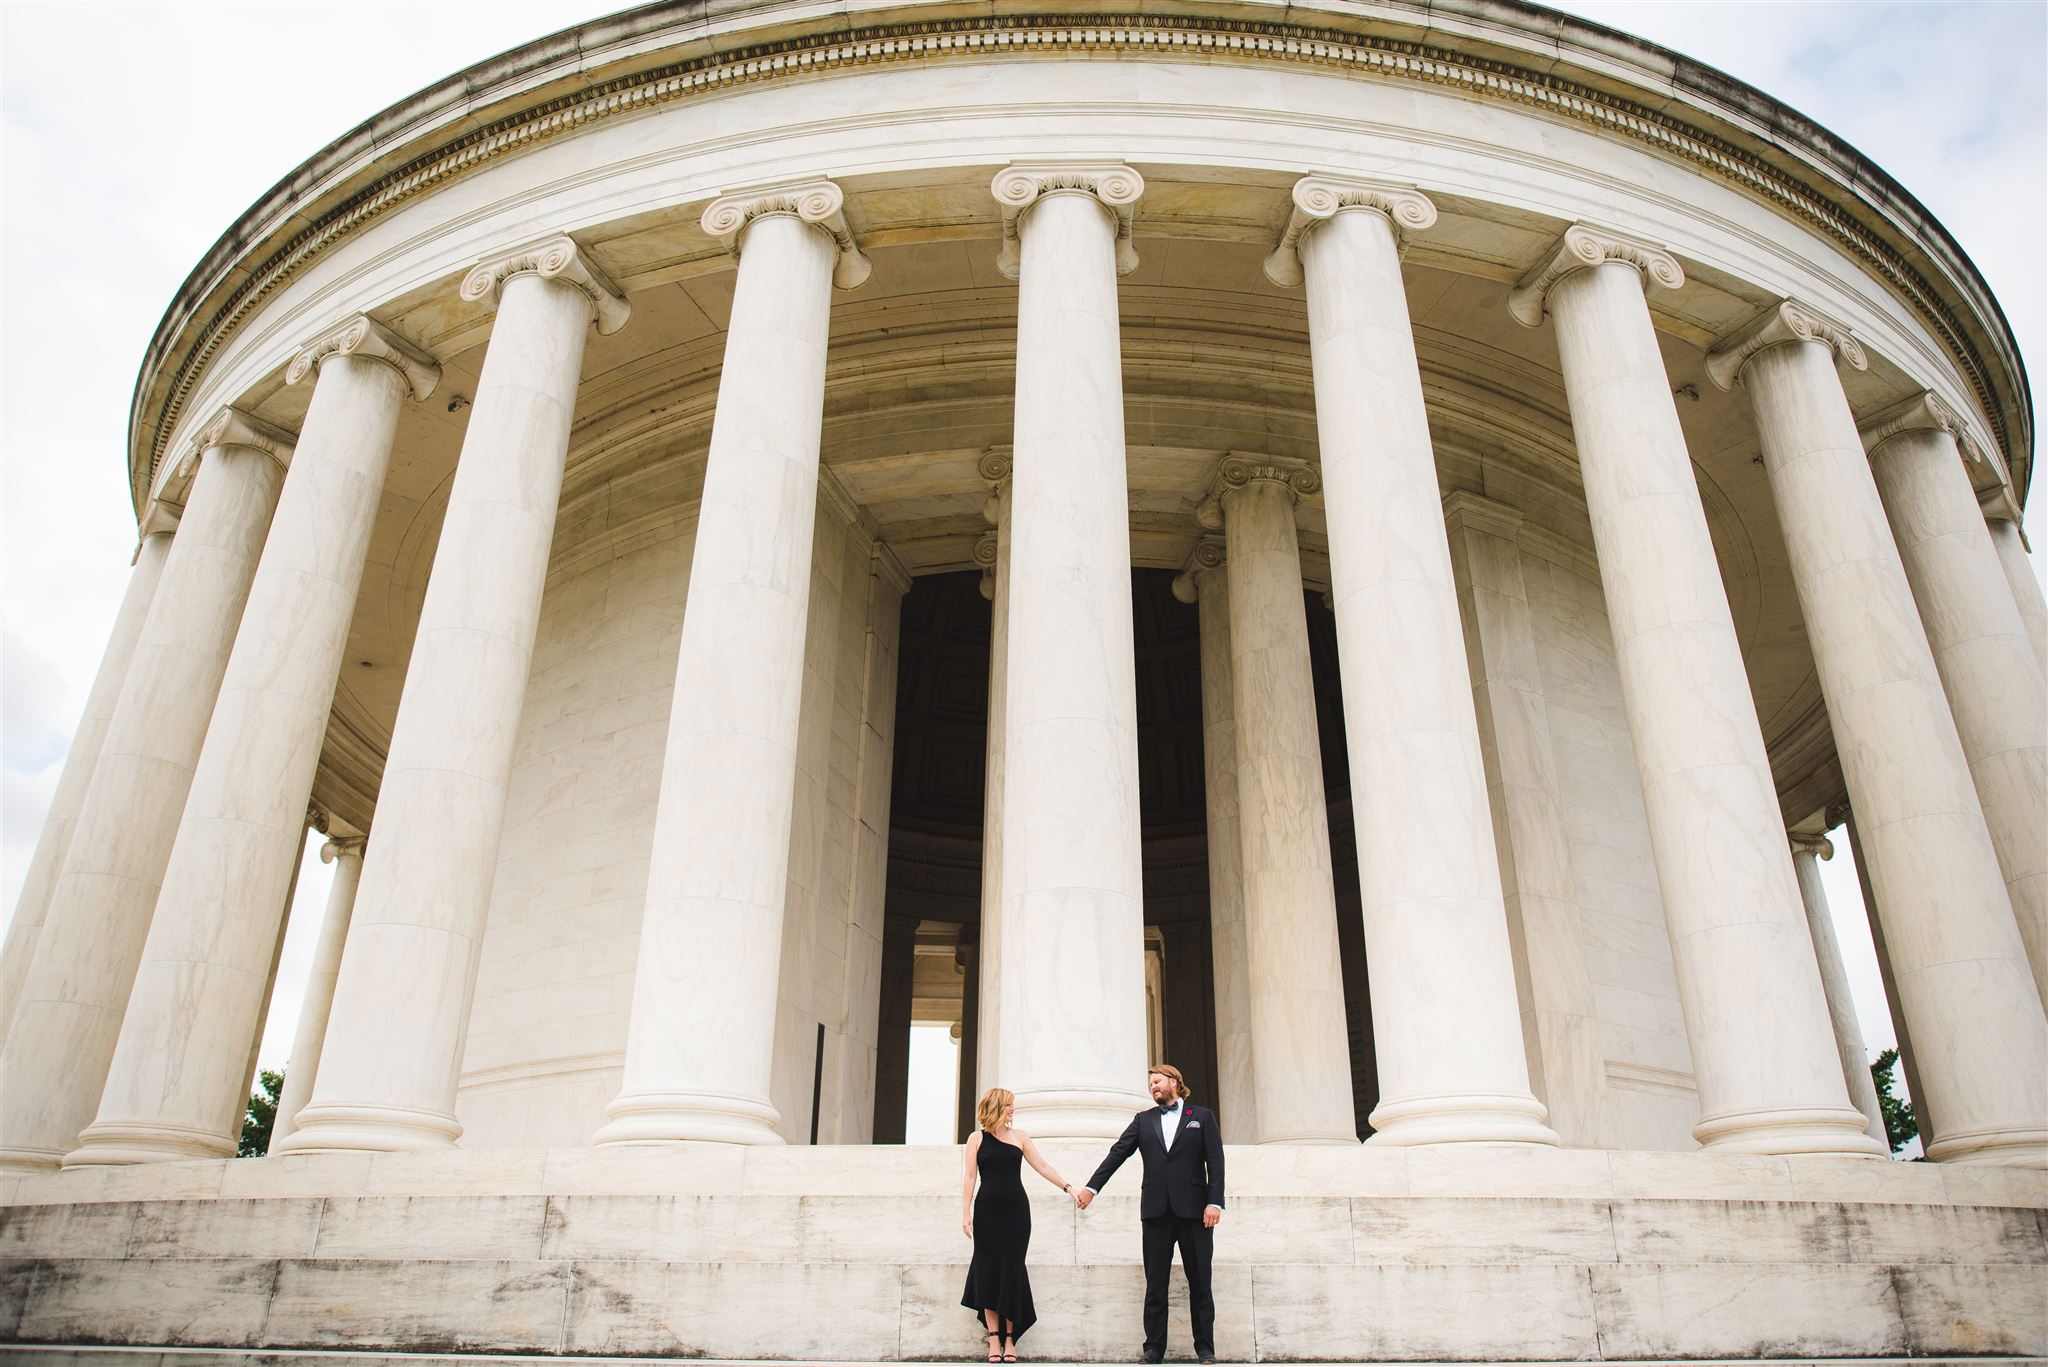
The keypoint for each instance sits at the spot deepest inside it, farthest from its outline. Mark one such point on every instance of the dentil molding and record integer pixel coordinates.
(364, 336)
(1298, 477)
(1788, 320)
(552, 258)
(1022, 184)
(1320, 198)
(1581, 247)
(817, 202)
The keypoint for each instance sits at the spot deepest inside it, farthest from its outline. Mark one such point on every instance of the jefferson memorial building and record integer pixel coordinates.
(1356, 546)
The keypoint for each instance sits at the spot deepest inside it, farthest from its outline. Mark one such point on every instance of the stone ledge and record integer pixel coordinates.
(82, 1356)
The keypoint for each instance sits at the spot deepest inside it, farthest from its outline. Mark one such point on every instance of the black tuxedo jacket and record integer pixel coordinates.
(1180, 1180)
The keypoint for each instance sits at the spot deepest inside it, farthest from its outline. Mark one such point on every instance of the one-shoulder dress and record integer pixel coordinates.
(996, 1279)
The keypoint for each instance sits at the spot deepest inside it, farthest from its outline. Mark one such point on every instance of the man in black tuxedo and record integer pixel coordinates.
(1180, 1203)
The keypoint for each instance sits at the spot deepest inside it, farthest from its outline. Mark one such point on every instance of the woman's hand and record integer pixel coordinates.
(967, 1226)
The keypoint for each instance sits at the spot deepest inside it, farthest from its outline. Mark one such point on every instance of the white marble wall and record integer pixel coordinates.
(1648, 1085)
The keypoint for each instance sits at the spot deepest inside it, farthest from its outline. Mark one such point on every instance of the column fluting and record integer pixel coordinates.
(1994, 685)
(1962, 973)
(75, 778)
(1301, 1061)
(1206, 582)
(1807, 851)
(1072, 934)
(1756, 1016)
(393, 1052)
(1446, 1027)
(303, 1064)
(77, 987)
(700, 1043)
(175, 1088)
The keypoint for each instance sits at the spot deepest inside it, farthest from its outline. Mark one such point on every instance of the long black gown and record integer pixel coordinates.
(996, 1279)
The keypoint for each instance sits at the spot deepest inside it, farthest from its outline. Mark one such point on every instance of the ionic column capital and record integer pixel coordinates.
(2000, 506)
(1209, 553)
(1298, 477)
(1583, 246)
(343, 846)
(1112, 184)
(553, 258)
(986, 548)
(233, 427)
(1817, 845)
(1788, 320)
(364, 336)
(1924, 412)
(815, 201)
(1320, 198)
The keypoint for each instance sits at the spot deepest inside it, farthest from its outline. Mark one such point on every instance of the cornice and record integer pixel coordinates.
(1583, 246)
(1788, 320)
(1319, 198)
(289, 229)
(1113, 185)
(552, 258)
(364, 336)
(817, 202)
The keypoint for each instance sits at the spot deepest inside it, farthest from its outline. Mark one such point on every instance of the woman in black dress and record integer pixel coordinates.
(998, 1220)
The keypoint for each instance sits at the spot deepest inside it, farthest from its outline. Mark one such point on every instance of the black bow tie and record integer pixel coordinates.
(1169, 1110)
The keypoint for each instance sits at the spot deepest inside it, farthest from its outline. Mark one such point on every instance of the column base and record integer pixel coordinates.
(1834, 1132)
(369, 1129)
(1462, 1118)
(683, 1117)
(1077, 1112)
(119, 1142)
(2006, 1148)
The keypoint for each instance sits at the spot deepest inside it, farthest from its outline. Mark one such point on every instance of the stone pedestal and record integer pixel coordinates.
(393, 1053)
(1957, 957)
(1072, 1043)
(77, 987)
(1446, 1030)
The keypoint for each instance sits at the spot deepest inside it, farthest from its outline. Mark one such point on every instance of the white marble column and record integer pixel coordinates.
(1301, 1060)
(303, 1065)
(1206, 583)
(1446, 1029)
(1807, 850)
(69, 1015)
(1962, 971)
(2002, 521)
(393, 1054)
(1756, 1016)
(700, 1045)
(992, 552)
(175, 1088)
(1072, 909)
(1994, 685)
(81, 759)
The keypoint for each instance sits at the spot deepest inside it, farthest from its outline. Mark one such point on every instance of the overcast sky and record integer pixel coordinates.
(131, 136)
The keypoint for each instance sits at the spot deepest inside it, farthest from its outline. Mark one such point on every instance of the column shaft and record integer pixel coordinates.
(393, 1052)
(1300, 1062)
(1237, 1096)
(700, 1046)
(77, 987)
(990, 960)
(303, 1066)
(1764, 1057)
(1988, 672)
(1446, 1029)
(1961, 968)
(1834, 979)
(76, 776)
(175, 1087)
(2026, 589)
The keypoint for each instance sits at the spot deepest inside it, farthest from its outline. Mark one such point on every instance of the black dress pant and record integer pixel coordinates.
(1195, 1242)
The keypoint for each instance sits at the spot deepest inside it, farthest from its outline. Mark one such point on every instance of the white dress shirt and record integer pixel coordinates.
(1169, 1122)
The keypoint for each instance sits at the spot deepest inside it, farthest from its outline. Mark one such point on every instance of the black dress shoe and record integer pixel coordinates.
(1150, 1356)
(1205, 1357)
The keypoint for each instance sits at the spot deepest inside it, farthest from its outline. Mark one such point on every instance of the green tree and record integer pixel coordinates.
(261, 1114)
(1899, 1122)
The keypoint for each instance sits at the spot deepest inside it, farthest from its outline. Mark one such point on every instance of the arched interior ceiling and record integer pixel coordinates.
(919, 386)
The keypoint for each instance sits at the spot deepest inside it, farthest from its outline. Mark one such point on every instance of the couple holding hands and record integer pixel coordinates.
(1179, 1204)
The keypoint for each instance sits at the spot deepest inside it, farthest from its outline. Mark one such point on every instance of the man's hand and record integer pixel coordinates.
(1084, 1198)
(1210, 1216)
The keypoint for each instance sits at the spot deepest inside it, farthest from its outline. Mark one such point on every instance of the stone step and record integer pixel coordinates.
(88, 1356)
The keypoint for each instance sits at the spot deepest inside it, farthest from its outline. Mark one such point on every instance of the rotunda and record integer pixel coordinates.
(1357, 547)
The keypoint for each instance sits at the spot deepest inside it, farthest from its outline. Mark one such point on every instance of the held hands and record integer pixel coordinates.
(1084, 1198)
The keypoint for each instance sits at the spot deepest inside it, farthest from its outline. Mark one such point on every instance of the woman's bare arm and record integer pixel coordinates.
(967, 1176)
(1040, 1166)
